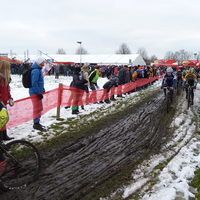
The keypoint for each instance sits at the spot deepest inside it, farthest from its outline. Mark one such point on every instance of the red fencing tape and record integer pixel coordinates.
(30, 108)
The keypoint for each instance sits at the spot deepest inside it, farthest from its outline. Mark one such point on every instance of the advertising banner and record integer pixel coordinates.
(165, 62)
(190, 63)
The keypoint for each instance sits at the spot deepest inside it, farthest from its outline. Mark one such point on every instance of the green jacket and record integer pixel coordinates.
(93, 77)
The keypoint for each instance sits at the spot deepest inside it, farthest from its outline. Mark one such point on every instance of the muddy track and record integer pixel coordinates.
(74, 169)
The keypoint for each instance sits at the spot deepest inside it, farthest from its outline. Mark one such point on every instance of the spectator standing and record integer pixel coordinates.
(128, 75)
(108, 71)
(85, 75)
(93, 77)
(5, 96)
(77, 83)
(56, 71)
(115, 75)
(116, 69)
(103, 71)
(122, 77)
(69, 71)
(65, 68)
(37, 88)
(21, 69)
(128, 78)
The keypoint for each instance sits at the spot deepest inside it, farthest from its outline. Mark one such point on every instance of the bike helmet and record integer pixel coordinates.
(169, 69)
(190, 71)
(3, 115)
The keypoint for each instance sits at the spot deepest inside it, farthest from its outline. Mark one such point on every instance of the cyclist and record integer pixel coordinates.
(184, 73)
(169, 80)
(179, 77)
(190, 79)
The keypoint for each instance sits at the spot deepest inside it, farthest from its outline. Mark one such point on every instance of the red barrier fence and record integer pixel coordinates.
(24, 111)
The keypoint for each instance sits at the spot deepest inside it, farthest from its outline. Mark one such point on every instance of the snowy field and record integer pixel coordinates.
(173, 180)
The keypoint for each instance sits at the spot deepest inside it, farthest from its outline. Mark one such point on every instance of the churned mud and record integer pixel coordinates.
(75, 168)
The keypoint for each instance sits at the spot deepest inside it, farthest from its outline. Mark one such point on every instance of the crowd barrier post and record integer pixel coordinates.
(59, 100)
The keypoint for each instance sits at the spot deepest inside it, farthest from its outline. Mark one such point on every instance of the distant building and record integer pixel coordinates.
(4, 55)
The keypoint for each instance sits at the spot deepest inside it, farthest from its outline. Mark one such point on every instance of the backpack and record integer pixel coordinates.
(26, 78)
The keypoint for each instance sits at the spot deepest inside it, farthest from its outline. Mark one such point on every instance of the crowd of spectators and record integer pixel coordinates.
(68, 70)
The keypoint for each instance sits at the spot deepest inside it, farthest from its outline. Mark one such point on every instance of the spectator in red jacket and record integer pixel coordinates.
(5, 97)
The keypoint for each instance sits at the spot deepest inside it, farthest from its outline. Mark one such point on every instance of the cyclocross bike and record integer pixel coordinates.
(23, 164)
(178, 86)
(169, 98)
(190, 95)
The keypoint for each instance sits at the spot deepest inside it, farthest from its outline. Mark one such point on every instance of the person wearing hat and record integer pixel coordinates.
(37, 88)
(77, 83)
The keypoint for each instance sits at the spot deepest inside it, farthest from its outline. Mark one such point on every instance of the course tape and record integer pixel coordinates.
(29, 108)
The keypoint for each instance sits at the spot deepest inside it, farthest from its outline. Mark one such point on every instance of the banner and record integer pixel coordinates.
(46, 68)
(190, 63)
(165, 62)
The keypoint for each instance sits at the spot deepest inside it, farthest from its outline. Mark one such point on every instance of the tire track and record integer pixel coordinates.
(93, 159)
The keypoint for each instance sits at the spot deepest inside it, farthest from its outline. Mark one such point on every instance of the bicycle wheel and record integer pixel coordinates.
(189, 97)
(178, 87)
(168, 102)
(23, 165)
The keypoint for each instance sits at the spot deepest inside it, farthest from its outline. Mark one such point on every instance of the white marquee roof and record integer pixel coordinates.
(100, 59)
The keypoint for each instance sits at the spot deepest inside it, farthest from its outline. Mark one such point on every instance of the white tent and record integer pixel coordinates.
(100, 59)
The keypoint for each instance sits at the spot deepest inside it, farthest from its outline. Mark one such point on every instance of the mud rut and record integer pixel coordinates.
(74, 169)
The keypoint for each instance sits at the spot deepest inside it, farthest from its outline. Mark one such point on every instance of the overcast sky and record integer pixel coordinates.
(101, 25)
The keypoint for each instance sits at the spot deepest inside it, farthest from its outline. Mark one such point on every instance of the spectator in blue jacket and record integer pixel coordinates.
(37, 88)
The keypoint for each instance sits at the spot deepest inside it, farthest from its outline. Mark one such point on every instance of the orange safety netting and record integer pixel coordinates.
(10, 60)
(30, 108)
(24, 111)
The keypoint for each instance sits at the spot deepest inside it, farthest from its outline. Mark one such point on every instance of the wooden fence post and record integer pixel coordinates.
(60, 90)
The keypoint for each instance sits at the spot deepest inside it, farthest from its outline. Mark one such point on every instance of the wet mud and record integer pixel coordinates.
(74, 169)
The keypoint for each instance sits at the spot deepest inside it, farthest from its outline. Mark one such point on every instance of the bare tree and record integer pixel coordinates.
(153, 57)
(81, 50)
(198, 56)
(61, 51)
(178, 55)
(169, 55)
(123, 49)
(143, 52)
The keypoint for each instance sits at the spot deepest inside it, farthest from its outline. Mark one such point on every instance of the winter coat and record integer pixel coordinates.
(116, 69)
(4, 92)
(146, 73)
(37, 80)
(122, 76)
(169, 80)
(57, 69)
(151, 72)
(94, 75)
(103, 69)
(77, 82)
(128, 76)
(134, 76)
(109, 84)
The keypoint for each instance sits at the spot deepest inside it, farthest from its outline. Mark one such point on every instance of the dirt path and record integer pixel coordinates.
(75, 168)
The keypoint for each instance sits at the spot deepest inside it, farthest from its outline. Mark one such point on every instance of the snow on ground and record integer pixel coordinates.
(172, 181)
(183, 155)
